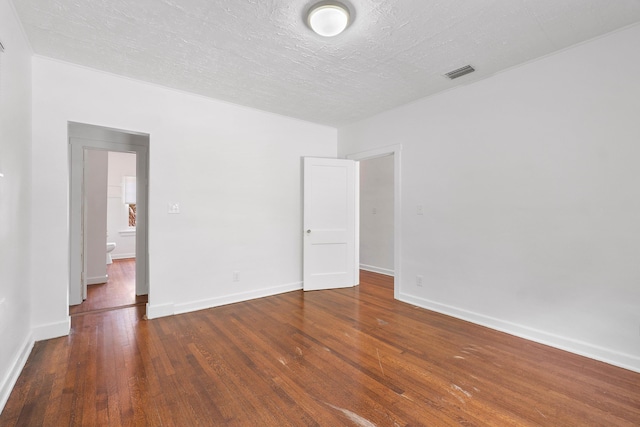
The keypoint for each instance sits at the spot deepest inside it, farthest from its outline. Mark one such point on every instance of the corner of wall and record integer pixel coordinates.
(51, 330)
(22, 30)
(159, 310)
(17, 364)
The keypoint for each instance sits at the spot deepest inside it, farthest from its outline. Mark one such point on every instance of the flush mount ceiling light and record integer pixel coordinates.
(328, 18)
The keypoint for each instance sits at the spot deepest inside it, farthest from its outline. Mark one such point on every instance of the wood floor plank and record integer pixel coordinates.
(345, 357)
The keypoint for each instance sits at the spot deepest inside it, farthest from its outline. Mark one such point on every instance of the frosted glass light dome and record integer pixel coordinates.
(328, 19)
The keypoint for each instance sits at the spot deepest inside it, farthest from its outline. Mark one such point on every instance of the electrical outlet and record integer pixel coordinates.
(374, 211)
(236, 276)
(419, 281)
(174, 208)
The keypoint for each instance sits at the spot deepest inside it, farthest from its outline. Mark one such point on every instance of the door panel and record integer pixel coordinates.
(330, 223)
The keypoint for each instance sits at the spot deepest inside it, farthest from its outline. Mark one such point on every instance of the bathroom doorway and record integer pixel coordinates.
(109, 200)
(108, 218)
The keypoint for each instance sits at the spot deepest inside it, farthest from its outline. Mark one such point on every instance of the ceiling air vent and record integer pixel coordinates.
(460, 72)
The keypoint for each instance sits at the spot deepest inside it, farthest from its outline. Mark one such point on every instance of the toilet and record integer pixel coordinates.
(110, 247)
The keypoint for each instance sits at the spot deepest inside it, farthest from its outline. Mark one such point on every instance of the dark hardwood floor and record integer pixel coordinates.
(349, 357)
(119, 291)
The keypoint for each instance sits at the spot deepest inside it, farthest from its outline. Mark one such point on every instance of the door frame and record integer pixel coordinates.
(84, 136)
(396, 152)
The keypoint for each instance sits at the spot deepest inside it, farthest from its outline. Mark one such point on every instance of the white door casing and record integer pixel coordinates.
(330, 223)
(77, 285)
(93, 137)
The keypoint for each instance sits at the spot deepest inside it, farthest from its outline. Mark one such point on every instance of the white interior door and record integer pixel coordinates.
(330, 223)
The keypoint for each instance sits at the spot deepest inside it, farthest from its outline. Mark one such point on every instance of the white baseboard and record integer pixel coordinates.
(38, 333)
(233, 298)
(375, 269)
(622, 360)
(97, 280)
(51, 330)
(155, 311)
(122, 256)
(160, 310)
(16, 366)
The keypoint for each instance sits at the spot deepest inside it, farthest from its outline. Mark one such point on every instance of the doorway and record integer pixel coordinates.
(392, 160)
(376, 215)
(109, 201)
(90, 148)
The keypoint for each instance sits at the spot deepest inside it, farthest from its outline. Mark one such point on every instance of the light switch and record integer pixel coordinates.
(174, 208)
(419, 210)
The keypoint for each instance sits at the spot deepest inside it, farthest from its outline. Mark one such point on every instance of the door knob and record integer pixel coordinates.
(308, 231)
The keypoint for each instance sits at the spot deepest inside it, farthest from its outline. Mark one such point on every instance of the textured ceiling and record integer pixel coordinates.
(259, 53)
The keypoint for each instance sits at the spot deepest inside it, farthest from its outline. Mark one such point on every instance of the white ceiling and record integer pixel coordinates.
(259, 53)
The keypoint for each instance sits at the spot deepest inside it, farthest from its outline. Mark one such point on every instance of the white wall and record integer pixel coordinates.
(120, 165)
(376, 215)
(15, 192)
(234, 171)
(95, 166)
(530, 187)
